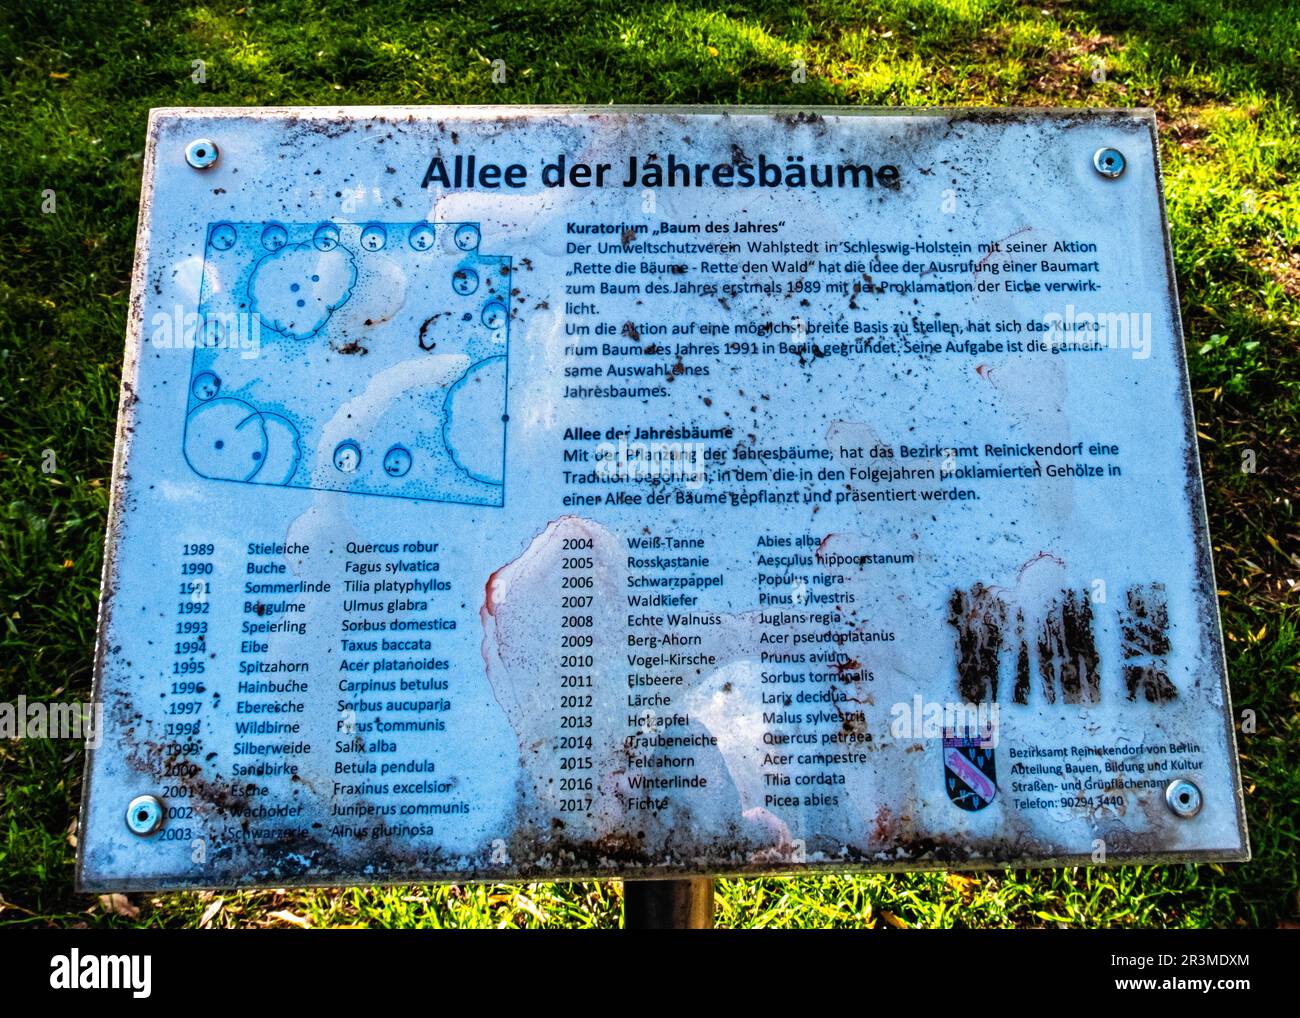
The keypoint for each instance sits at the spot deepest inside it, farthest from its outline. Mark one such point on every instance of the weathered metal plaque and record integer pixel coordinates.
(550, 493)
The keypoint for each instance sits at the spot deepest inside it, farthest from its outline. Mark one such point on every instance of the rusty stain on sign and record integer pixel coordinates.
(545, 493)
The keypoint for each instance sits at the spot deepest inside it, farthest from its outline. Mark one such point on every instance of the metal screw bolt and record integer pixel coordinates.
(1183, 797)
(1109, 162)
(144, 815)
(201, 153)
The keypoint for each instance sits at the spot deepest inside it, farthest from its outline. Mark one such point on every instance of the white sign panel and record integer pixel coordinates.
(546, 493)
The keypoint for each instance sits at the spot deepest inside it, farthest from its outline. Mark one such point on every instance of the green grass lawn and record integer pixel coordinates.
(79, 78)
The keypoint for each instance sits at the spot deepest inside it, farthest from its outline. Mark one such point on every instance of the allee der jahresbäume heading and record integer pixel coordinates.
(466, 172)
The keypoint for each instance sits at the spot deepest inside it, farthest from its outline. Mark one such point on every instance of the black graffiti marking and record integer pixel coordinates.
(1021, 694)
(1145, 645)
(1065, 644)
(978, 615)
(1067, 651)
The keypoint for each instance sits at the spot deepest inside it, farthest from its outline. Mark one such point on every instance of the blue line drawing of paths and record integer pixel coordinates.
(363, 358)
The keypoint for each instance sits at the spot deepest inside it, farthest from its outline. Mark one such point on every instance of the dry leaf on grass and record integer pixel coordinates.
(284, 915)
(119, 904)
(210, 913)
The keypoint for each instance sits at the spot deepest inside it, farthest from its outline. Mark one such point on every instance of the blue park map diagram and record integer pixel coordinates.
(367, 358)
